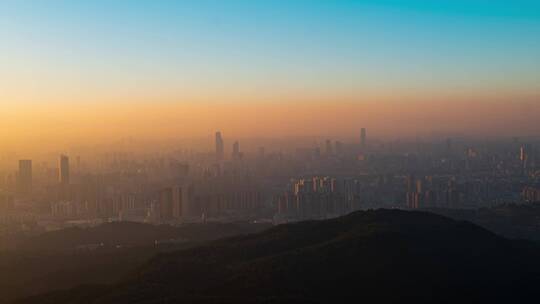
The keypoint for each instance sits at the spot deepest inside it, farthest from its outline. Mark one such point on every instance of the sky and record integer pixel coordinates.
(104, 69)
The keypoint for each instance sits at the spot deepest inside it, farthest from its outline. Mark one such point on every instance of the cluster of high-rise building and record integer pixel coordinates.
(316, 198)
(426, 193)
(531, 194)
(215, 197)
(310, 179)
(172, 203)
(220, 149)
(25, 176)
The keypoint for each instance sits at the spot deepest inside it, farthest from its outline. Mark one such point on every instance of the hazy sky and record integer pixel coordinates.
(94, 69)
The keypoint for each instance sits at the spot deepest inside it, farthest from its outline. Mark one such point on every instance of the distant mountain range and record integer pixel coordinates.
(383, 256)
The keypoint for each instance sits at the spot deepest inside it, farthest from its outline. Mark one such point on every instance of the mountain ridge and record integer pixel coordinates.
(416, 255)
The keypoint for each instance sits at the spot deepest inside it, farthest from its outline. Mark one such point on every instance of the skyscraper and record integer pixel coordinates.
(363, 137)
(236, 150)
(220, 149)
(523, 157)
(64, 170)
(522, 153)
(166, 203)
(174, 202)
(25, 176)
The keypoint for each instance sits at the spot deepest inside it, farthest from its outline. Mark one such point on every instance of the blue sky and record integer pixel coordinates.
(110, 46)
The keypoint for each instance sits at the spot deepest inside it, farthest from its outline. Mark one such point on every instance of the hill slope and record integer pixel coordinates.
(132, 234)
(515, 221)
(60, 260)
(383, 256)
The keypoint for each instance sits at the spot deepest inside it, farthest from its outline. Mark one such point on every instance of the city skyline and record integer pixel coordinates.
(269, 151)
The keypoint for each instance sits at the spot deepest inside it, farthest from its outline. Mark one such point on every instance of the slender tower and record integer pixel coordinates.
(236, 151)
(64, 170)
(363, 137)
(220, 151)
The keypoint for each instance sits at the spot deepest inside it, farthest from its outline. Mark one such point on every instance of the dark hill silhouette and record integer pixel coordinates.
(382, 256)
(67, 258)
(514, 221)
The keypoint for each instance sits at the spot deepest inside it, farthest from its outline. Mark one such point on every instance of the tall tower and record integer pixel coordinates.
(523, 156)
(363, 137)
(220, 149)
(25, 176)
(180, 201)
(166, 202)
(236, 150)
(64, 169)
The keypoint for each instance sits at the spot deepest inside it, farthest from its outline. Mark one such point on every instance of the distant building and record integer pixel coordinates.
(363, 138)
(25, 176)
(180, 169)
(523, 157)
(220, 148)
(236, 155)
(416, 196)
(317, 198)
(522, 154)
(64, 170)
(531, 194)
(174, 203)
(166, 202)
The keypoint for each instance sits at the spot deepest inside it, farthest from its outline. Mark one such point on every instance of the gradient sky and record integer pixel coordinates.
(363, 56)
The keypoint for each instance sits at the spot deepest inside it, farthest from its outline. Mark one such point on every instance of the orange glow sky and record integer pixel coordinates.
(91, 72)
(57, 124)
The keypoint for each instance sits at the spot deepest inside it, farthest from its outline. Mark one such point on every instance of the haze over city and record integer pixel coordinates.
(307, 151)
